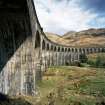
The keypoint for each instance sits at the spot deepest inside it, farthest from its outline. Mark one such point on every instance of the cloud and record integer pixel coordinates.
(97, 6)
(60, 16)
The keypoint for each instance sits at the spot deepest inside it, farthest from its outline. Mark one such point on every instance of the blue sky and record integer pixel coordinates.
(61, 16)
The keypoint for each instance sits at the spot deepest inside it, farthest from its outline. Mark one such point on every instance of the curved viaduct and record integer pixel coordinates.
(25, 51)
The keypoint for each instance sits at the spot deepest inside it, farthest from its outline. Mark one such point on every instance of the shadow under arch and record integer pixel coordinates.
(14, 28)
(43, 44)
(55, 48)
(48, 46)
(59, 49)
(62, 49)
(37, 40)
(66, 50)
(52, 47)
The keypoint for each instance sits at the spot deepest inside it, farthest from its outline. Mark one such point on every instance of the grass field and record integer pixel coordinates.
(69, 85)
(72, 86)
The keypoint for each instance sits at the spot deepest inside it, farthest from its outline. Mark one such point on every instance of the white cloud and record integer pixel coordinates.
(60, 17)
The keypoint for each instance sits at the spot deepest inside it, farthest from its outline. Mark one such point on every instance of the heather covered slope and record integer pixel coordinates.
(90, 37)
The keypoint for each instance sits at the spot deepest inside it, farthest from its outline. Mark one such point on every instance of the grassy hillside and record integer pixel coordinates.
(91, 37)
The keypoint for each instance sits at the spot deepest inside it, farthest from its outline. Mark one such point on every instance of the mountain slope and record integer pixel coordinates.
(90, 37)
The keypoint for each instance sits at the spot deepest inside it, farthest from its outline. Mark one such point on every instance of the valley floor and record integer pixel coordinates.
(69, 85)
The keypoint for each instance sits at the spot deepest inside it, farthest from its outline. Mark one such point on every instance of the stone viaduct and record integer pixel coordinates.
(25, 51)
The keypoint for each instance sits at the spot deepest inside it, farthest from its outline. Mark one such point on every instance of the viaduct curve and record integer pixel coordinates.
(25, 51)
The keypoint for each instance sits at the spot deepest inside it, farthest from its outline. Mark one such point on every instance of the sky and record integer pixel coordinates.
(61, 16)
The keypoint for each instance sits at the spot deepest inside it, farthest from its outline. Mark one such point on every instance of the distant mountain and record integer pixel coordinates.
(90, 37)
(69, 33)
(53, 37)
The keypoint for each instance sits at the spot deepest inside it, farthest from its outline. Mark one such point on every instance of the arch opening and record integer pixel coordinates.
(47, 46)
(55, 48)
(62, 49)
(65, 49)
(76, 50)
(69, 50)
(72, 49)
(37, 40)
(43, 44)
(52, 47)
(58, 49)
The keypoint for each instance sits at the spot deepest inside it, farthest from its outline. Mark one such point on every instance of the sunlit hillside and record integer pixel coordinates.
(91, 37)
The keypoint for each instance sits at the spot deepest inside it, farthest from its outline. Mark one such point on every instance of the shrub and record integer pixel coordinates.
(99, 61)
(83, 58)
